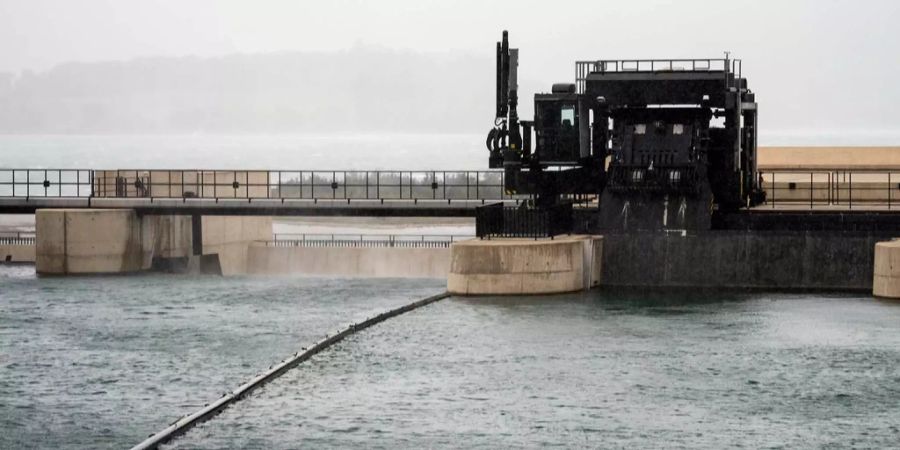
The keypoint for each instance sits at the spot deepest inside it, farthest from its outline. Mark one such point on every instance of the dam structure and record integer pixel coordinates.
(667, 148)
(641, 173)
(114, 221)
(138, 220)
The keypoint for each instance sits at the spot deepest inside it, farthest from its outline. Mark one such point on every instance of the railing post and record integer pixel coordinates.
(831, 178)
(477, 186)
(773, 189)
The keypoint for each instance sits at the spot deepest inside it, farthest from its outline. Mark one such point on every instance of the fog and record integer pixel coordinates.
(279, 66)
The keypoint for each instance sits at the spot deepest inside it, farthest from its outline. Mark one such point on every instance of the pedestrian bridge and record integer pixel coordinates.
(376, 192)
(255, 192)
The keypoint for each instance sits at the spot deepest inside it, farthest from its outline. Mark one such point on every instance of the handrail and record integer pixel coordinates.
(17, 238)
(496, 220)
(363, 240)
(584, 68)
(256, 184)
(17, 241)
(651, 65)
(831, 188)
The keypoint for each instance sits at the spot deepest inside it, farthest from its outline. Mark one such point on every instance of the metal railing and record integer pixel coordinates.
(831, 187)
(365, 240)
(62, 183)
(511, 221)
(17, 238)
(255, 184)
(584, 68)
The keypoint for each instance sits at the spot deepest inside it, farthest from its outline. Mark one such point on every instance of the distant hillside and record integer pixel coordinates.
(358, 90)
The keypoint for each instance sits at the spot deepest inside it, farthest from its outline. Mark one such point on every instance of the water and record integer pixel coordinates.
(103, 362)
(599, 370)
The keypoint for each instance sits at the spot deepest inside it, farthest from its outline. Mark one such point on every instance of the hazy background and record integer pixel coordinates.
(823, 70)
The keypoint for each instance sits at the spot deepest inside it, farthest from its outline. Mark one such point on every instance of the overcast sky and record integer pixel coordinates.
(836, 55)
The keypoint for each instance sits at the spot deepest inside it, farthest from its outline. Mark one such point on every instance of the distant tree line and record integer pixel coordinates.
(352, 91)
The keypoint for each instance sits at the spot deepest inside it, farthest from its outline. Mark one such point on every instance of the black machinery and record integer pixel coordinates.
(659, 144)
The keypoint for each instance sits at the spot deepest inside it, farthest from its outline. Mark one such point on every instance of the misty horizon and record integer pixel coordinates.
(822, 71)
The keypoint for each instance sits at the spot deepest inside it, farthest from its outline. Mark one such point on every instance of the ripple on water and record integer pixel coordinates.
(563, 371)
(117, 358)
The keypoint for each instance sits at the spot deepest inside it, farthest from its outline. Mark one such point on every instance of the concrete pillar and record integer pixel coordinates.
(229, 238)
(525, 266)
(97, 241)
(886, 281)
(88, 241)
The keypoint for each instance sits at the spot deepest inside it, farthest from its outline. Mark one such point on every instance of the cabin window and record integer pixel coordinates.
(677, 128)
(567, 116)
(640, 128)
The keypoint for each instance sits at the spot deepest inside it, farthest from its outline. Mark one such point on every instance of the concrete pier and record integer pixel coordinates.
(88, 242)
(525, 266)
(230, 237)
(886, 279)
(107, 241)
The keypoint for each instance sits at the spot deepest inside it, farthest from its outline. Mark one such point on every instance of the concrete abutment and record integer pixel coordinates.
(525, 266)
(109, 241)
(886, 272)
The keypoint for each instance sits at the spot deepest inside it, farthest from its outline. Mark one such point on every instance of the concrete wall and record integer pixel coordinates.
(167, 236)
(17, 253)
(384, 262)
(230, 237)
(227, 237)
(806, 158)
(86, 241)
(525, 266)
(741, 259)
(873, 187)
(886, 276)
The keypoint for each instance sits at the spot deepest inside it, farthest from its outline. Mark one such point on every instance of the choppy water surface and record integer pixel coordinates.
(594, 370)
(103, 362)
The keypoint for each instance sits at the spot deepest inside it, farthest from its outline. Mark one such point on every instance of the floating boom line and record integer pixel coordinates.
(184, 424)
